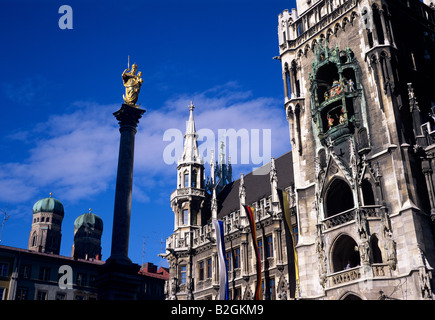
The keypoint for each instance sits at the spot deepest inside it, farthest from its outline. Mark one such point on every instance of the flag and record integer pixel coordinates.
(223, 276)
(251, 217)
(292, 258)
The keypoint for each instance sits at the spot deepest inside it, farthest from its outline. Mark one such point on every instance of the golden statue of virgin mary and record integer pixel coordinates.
(132, 84)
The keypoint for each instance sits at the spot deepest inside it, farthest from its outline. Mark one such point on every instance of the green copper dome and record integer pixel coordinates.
(89, 220)
(49, 205)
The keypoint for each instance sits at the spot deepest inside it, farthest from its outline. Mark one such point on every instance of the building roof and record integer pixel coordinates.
(257, 185)
(149, 269)
(89, 220)
(43, 255)
(49, 205)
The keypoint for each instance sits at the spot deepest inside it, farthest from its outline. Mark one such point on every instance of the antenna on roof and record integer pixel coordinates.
(162, 250)
(5, 218)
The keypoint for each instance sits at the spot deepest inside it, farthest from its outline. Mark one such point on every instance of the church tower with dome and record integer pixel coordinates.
(45, 235)
(88, 229)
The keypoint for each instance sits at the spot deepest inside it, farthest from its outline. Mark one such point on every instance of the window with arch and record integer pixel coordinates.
(34, 239)
(345, 254)
(350, 296)
(295, 75)
(339, 198)
(287, 81)
(186, 179)
(378, 24)
(194, 177)
(367, 193)
(376, 252)
(367, 22)
(298, 127)
(185, 217)
(363, 141)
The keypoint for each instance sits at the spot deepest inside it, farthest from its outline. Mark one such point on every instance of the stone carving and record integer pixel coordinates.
(389, 243)
(362, 231)
(320, 251)
(424, 276)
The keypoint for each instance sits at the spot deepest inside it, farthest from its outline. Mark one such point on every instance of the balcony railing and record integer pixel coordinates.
(188, 192)
(349, 215)
(339, 218)
(378, 270)
(344, 276)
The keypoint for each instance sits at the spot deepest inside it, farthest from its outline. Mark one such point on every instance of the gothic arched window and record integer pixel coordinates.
(376, 252)
(363, 141)
(298, 127)
(339, 198)
(296, 83)
(194, 176)
(367, 193)
(186, 179)
(344, 254)
(378, 24)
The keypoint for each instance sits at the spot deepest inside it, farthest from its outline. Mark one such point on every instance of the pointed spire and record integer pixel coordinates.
(222, 153)
(214, 206)
(274, 183)
(212, 167)
(242, 199)
(353, 159)
(242, 189)
(190, 150)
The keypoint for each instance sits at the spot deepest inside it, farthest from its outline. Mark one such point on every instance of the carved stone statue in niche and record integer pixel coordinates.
(320, 251)
(389, 243)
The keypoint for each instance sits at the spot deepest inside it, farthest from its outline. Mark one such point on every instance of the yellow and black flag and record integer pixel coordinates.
(292, 258)
(250, 213)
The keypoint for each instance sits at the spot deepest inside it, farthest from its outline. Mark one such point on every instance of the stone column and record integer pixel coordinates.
(118, 278)
(128, 118)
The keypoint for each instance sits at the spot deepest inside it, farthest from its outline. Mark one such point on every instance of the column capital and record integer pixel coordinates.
(128, 115)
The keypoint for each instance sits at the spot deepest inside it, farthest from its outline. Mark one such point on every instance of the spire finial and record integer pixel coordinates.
(222, 146)
(90, 210)
(51, 194)
(191, 106)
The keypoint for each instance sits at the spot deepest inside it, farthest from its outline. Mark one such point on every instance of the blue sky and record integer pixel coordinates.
(59, 88)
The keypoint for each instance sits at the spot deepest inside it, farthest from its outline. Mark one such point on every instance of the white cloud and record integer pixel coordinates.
(75, 154)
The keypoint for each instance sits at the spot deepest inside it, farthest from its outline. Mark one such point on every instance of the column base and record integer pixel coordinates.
(119, 280)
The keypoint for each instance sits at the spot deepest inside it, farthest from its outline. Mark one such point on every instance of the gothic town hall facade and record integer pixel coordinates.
(359, 98)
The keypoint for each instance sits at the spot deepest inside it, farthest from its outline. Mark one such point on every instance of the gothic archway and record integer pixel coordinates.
(344, 253)
(350, 296)
(338, 198)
